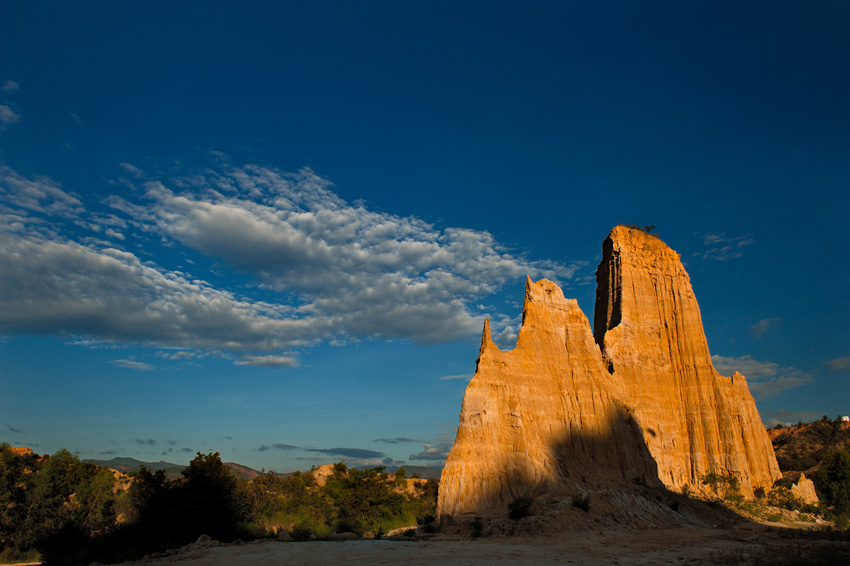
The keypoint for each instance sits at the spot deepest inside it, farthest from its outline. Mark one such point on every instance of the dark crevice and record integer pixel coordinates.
(607, 312)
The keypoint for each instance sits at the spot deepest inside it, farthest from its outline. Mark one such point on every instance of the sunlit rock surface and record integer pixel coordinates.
(639, 402)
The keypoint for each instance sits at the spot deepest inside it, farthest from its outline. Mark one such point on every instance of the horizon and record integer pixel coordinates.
(274, 231)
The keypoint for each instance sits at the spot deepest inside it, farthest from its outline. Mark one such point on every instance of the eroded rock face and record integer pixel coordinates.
(638, 402)
(649, 326)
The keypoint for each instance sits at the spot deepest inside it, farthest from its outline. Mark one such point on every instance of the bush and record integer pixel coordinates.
(477, 526)
(349, 526)
(302, 533)
(725, 486)
(520, 507)
(783, 498)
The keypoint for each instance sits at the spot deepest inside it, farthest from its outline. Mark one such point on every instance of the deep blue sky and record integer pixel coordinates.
(270, 228)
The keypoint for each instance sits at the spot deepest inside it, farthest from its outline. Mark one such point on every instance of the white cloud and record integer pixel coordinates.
(37, 194)
(763, 378)
(8, 116)
(10, 86)
(783, 417)
(433, 452)
(64, 287)
(760, 328)
(721, 248)
(130, 363)
(374, 274)
(181, 355)
(334, 272)
(840, 364)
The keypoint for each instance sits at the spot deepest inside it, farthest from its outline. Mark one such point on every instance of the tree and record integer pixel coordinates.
(147, 493)
(833, 480)
(17, 474)
(211, 499)
(55, 523)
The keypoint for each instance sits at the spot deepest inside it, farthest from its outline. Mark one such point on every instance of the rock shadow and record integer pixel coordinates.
(604, 479)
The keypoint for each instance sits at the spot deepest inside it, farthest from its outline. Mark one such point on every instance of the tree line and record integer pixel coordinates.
(64, 511)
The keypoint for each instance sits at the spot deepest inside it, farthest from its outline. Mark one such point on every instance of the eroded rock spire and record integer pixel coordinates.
(638, 400)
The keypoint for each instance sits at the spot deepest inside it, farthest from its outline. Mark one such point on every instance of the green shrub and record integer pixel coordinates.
(725, 486)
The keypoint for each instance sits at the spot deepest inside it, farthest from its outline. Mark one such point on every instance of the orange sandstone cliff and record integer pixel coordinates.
(637, 401)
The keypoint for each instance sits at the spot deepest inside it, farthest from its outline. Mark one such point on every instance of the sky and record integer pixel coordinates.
(274, 229)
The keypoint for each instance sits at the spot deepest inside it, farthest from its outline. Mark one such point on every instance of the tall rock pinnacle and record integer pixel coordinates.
(648, 324)
(639, 400)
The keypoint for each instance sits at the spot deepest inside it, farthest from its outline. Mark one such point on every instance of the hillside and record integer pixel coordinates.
(801, 447)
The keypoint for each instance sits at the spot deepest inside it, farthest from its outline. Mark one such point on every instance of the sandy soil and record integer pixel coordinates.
(751, 543)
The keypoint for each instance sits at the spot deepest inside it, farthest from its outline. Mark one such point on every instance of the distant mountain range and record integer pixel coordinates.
(131, 465)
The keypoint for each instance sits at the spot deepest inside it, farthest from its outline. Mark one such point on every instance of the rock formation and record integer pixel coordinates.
(636, 401)
(804, 490)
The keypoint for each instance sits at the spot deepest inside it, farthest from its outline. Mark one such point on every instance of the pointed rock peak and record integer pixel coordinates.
(544, 292)
(486, 339)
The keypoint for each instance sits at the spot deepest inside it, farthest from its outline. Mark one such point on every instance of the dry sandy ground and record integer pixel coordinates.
(756, 544)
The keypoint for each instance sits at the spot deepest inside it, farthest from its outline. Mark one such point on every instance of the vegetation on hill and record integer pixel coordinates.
(802, 447)
(821, 449)
(348, 500)
(65, 511)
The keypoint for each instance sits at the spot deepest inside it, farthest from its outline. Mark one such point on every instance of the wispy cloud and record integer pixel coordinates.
(181, 354)
(722, 247)
(131, 169)
(397, 440)
(350, 452)
(840, 364)
(358, 453)
(8, 116)
(13, 429)
(336, 272)
(267, 361)
(130, 363)
(36, 194)
(10, 86)
(466, 376)
(764, 378)
(761, 328)
(145, 441)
